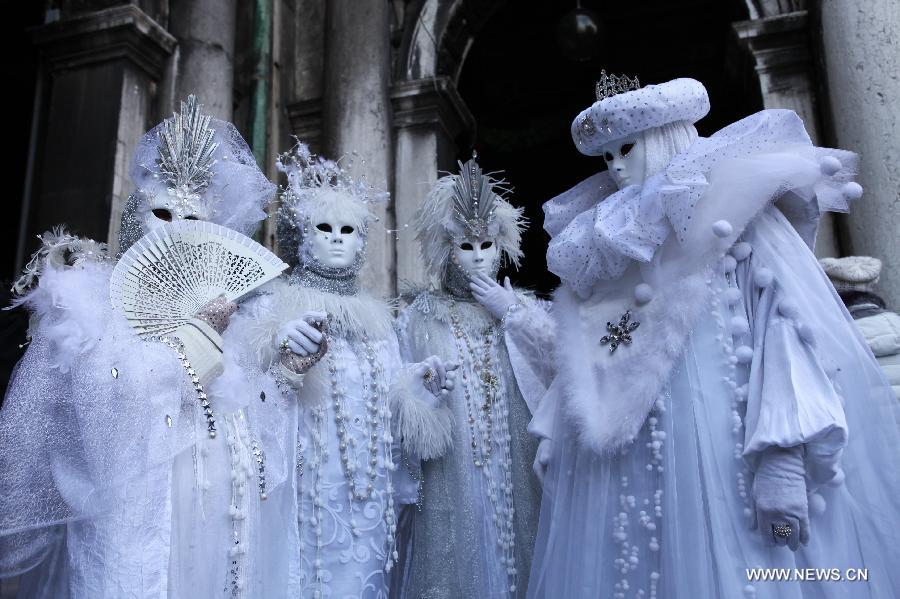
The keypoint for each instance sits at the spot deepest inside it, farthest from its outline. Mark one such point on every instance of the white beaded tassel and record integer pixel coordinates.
(739, 353)
(649, 519)
(238, 441)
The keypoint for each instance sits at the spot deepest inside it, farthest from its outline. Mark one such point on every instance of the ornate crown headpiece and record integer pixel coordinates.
(186, 149)
(613, 85)
(308, 176)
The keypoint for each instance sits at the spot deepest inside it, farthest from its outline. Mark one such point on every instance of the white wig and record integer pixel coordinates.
(470, 204)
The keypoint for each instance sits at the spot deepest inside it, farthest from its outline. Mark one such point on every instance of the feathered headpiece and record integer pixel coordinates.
(317, 189)
(470, 204)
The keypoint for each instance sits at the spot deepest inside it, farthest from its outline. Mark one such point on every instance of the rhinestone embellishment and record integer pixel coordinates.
(587, 126)
(618, 334)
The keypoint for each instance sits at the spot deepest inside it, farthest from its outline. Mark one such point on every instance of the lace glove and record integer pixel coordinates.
(496, 299)
(542, 459)
(217, 313)
(202, 340)
(302, 342)
(779, 494)
(437, 378)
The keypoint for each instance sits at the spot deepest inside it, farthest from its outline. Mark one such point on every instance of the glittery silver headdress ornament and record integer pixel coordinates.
(195, 166)
(186, 149)
(470, 204)
(319, 188)
(612, 85)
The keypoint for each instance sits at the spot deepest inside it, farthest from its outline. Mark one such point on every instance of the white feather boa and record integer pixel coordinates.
(424, 430)
(70, 307)
(349, 316)
(608, 395)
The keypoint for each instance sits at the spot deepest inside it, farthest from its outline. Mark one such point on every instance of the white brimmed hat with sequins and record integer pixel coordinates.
(624, 108)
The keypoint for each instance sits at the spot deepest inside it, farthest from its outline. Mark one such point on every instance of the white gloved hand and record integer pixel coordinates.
(542, 459)
(300, 336)
(495, 298)
(779, 494)
(437, 378)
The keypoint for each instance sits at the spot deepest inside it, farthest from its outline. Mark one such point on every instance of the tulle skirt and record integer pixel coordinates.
(670, 516)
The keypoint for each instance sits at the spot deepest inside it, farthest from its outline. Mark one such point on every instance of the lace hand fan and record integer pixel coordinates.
(168, 275)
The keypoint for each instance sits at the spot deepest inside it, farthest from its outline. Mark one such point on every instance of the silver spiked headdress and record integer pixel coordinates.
(186, 150)
(475, 199)
(470, 204)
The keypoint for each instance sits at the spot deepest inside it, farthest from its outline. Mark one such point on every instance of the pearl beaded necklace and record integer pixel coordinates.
(492, 422)
(377, 429)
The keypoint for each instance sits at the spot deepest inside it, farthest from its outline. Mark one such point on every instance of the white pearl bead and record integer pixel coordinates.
(722, 228)
(829, 165)
(739, 325)
(852, 190)
(643, 293)
(763, 277)
(741, 251)
(732, 296)
(744, 354)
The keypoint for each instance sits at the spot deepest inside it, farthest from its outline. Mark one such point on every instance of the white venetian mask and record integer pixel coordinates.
(477, 255)
(626, 160)
(163, 208)
(334, 243)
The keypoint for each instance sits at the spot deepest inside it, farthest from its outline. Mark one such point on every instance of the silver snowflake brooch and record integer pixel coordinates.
(619, 333)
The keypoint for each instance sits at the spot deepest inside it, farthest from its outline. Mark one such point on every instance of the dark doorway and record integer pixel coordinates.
(21, 76)
(524, 94)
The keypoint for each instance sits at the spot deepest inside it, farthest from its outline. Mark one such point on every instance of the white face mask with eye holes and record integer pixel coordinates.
(477, 255)
(334, 243)
(626, 160)
(159, 213)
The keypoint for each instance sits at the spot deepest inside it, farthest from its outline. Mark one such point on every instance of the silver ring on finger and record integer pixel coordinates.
(285, 346)
(782, 531)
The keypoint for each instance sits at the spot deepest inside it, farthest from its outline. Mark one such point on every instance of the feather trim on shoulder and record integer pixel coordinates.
(279, 302)
(59, 249)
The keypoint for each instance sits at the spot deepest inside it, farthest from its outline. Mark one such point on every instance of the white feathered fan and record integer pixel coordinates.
(168, 275)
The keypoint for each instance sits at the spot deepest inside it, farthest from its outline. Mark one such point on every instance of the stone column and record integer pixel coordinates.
(780, 45)
(861, 59)
(203, 63)
(100, 71)
(356, 115)
(431, 122)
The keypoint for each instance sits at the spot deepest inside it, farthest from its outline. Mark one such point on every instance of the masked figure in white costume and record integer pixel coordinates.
(117, 455)
(710, 376)
(473, 531)
(351, 405)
